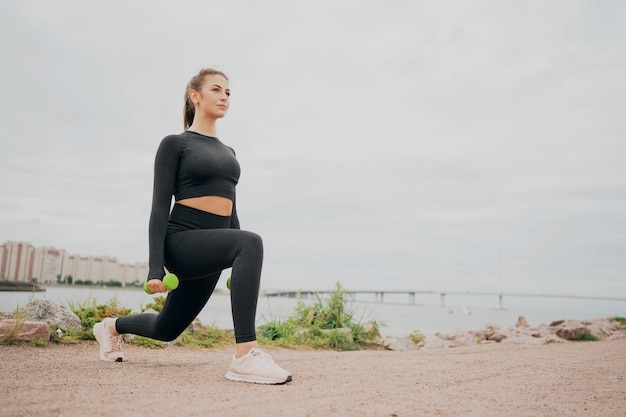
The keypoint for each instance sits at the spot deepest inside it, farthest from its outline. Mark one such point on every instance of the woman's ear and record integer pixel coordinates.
(194, 96)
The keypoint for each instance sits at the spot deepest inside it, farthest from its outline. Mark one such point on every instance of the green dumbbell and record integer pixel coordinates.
(170, 282)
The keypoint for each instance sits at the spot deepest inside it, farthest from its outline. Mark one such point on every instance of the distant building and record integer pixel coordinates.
(133, 272)
(47, 265)
(21, 261)
(17, 261)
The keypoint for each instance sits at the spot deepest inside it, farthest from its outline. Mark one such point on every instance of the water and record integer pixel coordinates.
(462, 312)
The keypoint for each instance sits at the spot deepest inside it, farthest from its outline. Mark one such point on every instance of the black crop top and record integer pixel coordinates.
(186, 166)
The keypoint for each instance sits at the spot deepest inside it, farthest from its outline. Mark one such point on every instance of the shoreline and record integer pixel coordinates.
(395, 320)
(20, 286)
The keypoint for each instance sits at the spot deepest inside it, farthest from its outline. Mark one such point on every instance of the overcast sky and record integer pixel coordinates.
(384, 144)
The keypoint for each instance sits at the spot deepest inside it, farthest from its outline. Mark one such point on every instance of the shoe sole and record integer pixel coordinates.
(242, 378)
(102, 357)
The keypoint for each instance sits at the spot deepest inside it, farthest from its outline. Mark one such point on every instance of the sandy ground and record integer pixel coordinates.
(565, 379)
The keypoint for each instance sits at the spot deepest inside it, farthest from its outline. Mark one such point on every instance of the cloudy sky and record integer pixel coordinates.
(384, 144)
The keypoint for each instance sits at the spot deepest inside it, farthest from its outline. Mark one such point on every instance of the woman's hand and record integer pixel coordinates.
(156, 285)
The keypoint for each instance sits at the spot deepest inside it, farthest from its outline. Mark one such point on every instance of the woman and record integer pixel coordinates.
(199, 238)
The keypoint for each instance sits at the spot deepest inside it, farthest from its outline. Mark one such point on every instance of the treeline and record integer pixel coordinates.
(69, 280)
(90, 283)
(19, 286)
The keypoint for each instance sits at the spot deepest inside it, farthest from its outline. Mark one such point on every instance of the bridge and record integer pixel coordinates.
(380, 295)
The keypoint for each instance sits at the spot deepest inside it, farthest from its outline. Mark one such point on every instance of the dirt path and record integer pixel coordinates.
(566, 379)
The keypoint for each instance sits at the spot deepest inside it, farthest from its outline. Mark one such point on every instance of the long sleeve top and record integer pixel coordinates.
(188, 165)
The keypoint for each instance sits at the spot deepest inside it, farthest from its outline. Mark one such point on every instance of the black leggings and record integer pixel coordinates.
(198, 246)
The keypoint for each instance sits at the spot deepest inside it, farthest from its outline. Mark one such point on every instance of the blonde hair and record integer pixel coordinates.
(196, 83)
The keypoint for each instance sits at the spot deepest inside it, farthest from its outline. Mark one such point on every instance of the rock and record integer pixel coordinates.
(553, 339)
(498, 337)
(556, 332)
(486, 333)
(435, 342)
(521, 322)
(195, 326)
(571, 333)
(372, 328)
(466, 339)
(401, 343)
(455, 336)
(48, 312)
(606, 328)
(24, 330)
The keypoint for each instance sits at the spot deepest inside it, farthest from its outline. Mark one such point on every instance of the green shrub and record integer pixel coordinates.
(91, 313)
(319, 325)
(156, 305)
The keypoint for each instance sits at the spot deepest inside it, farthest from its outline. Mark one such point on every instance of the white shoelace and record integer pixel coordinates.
(262, 356)
(116, 341)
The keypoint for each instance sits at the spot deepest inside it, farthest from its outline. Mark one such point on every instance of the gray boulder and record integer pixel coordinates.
(48, 312)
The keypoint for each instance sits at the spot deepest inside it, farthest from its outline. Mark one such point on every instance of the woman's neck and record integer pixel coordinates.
(204, 126)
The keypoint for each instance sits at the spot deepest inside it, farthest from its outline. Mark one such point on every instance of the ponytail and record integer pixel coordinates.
(189, 111)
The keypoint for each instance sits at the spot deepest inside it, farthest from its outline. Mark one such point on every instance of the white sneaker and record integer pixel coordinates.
(110, 345)
(257, 367)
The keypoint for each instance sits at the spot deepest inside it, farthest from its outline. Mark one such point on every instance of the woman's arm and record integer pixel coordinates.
(165, 170)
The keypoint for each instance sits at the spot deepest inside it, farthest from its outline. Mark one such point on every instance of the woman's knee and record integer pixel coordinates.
(252, 241)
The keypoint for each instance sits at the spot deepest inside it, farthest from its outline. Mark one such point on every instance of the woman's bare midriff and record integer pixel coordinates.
(221, 206)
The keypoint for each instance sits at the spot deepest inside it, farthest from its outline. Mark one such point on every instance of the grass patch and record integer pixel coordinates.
(69, 337)
(39, 342)
(327, 323)
(10, 337)
(89, 314)
(200, 336)
(417, 337)
(147, 342)
(586, 337)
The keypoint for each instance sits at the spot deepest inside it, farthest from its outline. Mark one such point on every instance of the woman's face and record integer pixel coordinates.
(213, 99)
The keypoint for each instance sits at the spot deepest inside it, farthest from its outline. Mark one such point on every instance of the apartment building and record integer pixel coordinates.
(17, 261)
(47, 264)
(20, 261)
